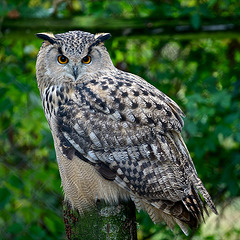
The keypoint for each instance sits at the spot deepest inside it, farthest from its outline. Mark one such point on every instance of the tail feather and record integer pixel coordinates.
(183, 226)
(186, 213)
(158, 215)
(194, 205)
(200, 187)
(200, 203)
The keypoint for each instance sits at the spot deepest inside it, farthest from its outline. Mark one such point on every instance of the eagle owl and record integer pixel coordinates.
(115, 135)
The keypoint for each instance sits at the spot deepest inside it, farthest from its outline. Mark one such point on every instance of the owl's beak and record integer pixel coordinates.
(75, 72)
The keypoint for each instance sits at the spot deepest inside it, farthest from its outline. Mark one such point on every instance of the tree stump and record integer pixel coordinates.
(101, 222)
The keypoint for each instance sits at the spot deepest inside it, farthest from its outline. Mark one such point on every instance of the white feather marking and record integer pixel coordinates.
(92, 156)
(95, 139)
(116, 116)
(75, 145)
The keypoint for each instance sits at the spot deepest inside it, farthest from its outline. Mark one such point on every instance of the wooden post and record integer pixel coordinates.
(102, 222)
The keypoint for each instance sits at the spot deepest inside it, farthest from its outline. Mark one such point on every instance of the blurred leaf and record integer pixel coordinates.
(15, 182)
(15, 228)
(37, 232)
(50, 224)
(5, 195)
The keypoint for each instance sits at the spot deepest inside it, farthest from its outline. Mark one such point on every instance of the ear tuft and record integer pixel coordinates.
(47, 37)
(101, 37)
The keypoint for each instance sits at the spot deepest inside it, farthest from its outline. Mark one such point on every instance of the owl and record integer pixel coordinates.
(115, 135)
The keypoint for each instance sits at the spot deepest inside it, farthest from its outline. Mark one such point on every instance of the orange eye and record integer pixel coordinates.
(62, 59)
(87, 59)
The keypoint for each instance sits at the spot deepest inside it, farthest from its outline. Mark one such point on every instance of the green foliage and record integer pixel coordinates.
(201, 75)
(30, 186)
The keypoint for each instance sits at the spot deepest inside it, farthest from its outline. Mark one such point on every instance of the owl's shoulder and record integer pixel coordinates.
(127, 97)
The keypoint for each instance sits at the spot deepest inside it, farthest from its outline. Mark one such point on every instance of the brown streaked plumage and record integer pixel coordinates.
(115, 135)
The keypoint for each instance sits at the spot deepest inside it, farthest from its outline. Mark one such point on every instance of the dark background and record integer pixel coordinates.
(190, 50)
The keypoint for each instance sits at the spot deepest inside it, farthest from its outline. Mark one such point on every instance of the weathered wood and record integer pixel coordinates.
(103, 222)
(164, 28)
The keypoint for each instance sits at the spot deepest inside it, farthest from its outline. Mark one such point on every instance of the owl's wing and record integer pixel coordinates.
(130, 132)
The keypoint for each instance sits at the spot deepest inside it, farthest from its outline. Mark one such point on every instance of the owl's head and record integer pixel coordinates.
(69, 56)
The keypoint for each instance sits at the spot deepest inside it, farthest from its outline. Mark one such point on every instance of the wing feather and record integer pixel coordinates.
(130, 132)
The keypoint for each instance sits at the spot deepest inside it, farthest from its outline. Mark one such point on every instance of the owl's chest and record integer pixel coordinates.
(54, 97)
